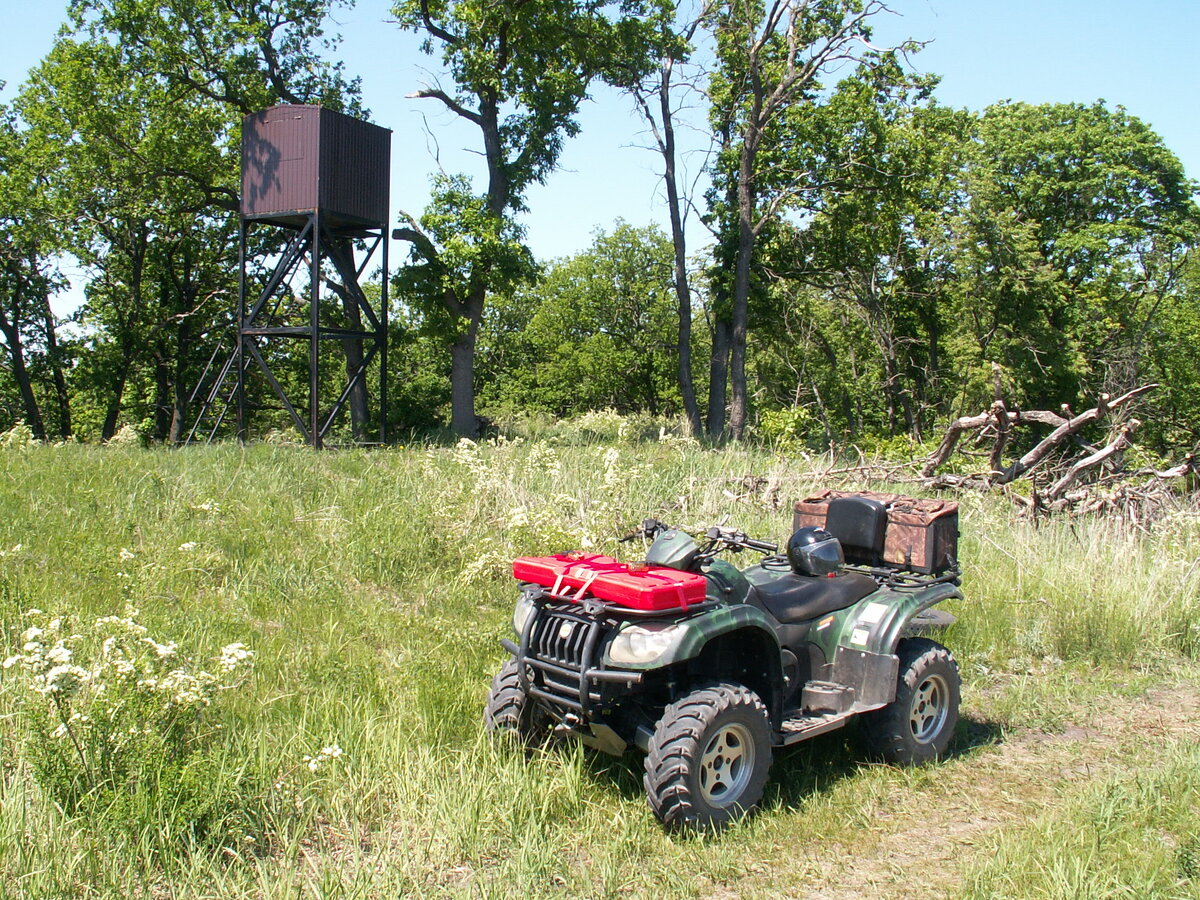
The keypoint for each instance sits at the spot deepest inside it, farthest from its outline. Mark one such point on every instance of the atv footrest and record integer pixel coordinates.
(801, 726)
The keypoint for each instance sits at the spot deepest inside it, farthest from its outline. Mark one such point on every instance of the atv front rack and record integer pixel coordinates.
(595, 606)
(561, 643)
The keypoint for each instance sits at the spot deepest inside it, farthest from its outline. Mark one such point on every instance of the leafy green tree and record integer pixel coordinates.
(771, 58)
(875, 247)
(520, 70)
(240, 55)
(28, 332)
(1078, 225)
(659, 97)
(143, 102)
(597, 331)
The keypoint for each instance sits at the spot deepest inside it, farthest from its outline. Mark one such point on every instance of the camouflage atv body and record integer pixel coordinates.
(707, 668)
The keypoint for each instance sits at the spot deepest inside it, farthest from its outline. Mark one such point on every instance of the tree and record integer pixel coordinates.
(1078, 226)
(241, 55)
(143, 103)
(770, 59)
(520, 68)
(596, 332)
(658, 97)
(27, 278)
(876, 245)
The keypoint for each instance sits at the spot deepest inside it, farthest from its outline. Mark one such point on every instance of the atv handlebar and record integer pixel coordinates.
(719, 537)
(650, 528)
(732, 539)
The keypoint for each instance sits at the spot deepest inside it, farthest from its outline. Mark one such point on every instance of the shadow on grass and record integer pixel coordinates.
(801, 771)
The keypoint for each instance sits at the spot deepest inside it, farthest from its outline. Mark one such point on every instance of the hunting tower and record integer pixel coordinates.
(322, 178)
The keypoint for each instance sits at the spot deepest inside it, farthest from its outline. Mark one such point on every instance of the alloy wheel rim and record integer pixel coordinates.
(726, 765)
(929, 709)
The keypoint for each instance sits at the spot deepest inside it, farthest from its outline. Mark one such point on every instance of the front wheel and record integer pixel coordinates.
(709, 757)
(917, 726)
(509, 709)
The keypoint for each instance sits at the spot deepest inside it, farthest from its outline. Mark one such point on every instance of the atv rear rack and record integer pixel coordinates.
(900, 579)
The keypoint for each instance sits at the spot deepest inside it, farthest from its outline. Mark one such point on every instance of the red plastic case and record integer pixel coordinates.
(573, 576)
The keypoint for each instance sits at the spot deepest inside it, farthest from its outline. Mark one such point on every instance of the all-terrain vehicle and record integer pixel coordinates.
(707, 668)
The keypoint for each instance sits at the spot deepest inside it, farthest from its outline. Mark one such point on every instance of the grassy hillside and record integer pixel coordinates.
(372, 588)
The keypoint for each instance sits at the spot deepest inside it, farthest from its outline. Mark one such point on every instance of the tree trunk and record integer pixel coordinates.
(718, 378)
(462, 380)
(747, 195)
(54, 358)
(683, 294)
(162, 394)
(353, 348)
(179, 405)
(113, 410)
(16, 354)
(739, 326)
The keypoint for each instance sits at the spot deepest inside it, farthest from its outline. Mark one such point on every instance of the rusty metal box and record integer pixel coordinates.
(300, 159)
(921, 535)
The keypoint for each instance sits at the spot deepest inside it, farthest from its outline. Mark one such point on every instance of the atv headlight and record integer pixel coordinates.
(641, 644)
(525, 608)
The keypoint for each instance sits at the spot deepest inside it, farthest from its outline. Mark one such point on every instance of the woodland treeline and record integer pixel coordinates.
(880, 263)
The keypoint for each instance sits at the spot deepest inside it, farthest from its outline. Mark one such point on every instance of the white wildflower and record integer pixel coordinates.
(324, 755)
(125, 555)
(63, 680)
(232, 656)
(12, 661)
(187, 546)
(59, 655)
(32, 634)
(162, 650)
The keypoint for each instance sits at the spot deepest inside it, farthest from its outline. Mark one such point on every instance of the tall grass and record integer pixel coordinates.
(373, 587)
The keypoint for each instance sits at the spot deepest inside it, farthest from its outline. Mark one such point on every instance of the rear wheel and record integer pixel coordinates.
(509, 710)
(917, 726)
(708, 758)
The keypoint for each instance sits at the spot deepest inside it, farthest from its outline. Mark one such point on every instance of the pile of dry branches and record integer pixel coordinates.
(1061, 472)
(1064, 472)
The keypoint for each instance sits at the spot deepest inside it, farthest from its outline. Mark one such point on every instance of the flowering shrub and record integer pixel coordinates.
(115, 717)
(18, 437)
(128, 436)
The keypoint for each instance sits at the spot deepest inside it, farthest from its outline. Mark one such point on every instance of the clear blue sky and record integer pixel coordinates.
(1141, 57)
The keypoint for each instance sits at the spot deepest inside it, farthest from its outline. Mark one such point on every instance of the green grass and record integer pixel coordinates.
(1136, 835)
(374, 586)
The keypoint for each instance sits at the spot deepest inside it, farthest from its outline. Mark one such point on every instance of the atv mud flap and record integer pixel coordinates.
(871, 675)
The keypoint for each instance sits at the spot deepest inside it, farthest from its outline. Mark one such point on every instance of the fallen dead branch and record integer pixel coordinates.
(1065, 473)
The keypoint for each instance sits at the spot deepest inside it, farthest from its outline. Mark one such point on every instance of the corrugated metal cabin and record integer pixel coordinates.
(297, 160)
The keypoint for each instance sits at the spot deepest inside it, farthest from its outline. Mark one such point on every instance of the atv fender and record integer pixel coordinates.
(860, 641)
(877, 622)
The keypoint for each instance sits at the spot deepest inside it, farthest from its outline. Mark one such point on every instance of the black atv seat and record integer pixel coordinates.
(795, 598)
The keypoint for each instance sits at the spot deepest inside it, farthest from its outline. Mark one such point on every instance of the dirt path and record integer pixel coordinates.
(924, 842)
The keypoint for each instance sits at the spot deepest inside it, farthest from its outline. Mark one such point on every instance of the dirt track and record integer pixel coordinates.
(923, 844)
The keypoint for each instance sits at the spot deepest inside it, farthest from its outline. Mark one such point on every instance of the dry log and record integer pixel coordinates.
(1119, 443)
(950, 439)
(1000, 416)
(1065, 430)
